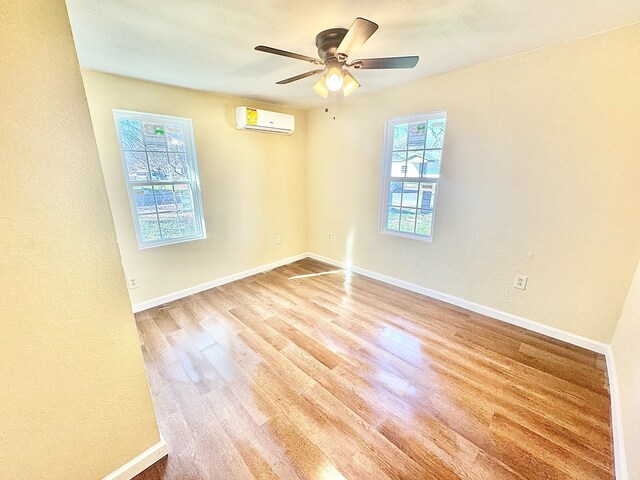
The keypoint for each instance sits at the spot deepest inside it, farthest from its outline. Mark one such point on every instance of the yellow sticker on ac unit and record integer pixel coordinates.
(252, 116)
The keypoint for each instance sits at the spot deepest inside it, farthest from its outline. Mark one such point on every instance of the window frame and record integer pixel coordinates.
(387, 179)
(192, 163)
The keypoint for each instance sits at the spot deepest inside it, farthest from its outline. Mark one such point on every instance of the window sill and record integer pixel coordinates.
(172, 242)
(411, 236)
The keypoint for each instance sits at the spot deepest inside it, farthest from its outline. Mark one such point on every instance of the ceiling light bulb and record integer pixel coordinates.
(334, 79)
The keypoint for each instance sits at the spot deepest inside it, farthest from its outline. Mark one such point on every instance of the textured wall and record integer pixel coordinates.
(627, 358)
(540, 177)
(74, 400)
(253, 186)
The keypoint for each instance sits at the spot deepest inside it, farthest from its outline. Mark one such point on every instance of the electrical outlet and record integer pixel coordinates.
(329, 237)
(278, 240)
(520, 282)
(132, 282)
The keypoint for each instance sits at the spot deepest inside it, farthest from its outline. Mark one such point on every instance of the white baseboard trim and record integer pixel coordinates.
(589, 344)
(154, 302)
(616, 418)
(140, 463)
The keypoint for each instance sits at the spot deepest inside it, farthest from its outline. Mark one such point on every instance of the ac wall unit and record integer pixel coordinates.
(264, 121)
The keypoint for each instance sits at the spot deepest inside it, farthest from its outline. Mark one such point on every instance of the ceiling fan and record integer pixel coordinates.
(335, 47)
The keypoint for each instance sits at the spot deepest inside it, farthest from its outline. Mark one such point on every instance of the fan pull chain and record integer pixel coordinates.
(334, 105)
(326, 109)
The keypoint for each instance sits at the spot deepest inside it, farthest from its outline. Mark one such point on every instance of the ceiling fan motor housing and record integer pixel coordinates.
(328, 41)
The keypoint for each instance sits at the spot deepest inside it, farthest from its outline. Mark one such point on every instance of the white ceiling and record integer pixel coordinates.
(208, 44)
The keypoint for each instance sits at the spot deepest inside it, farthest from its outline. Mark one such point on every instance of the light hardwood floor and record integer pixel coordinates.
(308, 372)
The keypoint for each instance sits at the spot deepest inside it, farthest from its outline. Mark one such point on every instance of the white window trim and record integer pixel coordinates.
(387, 148)
(195, 181)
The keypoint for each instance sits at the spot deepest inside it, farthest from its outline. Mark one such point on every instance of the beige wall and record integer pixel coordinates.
(541, 177)
(74, 400)
(253, 186)
(627, 361)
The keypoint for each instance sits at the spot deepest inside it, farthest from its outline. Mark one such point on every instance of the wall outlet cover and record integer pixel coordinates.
(520, 282)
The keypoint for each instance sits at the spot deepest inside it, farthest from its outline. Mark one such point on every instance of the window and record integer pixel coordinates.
(411, 171)
(161, 171)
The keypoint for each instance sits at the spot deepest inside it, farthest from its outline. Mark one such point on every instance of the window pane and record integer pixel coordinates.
(417, 135)
(408, 220)
(414, 163)
(393, 218)
(131, 135)
(410, 194)
(399, 164)
(187, 222)
(178, 166)
(169, 225)
(144, 200)
(184, 197)
(395, 193)
(159, 165)
(427, 195)
(175, 138)
(168, 166)
(149, 229)
(400, 133)
(165, 199)
(137, 166)
(423, 222)
(431, 165)
(435, 133)
(154, 137)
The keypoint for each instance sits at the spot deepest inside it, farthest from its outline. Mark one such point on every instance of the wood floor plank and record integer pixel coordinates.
(446, 354)
(315, 349)
(264, 458)
(262, 328)
(311, 372)
(353, 398)
(309, 461)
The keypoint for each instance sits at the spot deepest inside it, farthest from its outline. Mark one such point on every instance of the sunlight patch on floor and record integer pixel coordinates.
(315, 274)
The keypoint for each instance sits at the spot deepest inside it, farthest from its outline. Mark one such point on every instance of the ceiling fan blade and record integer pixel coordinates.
(359, 33)
(284, 53)
(299, 77)
(388, 62)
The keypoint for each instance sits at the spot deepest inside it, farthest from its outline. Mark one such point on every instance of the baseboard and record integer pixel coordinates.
(140, 463)
(139, 307)
(616, 418)
(584, 342)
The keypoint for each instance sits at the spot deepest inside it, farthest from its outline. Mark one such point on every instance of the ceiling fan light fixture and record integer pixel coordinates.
(335, 47)
(350, 84)
(334, 79)
(321, 87)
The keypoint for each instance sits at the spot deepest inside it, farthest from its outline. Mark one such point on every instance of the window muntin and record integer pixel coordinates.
(161, 172)
(411, 172)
